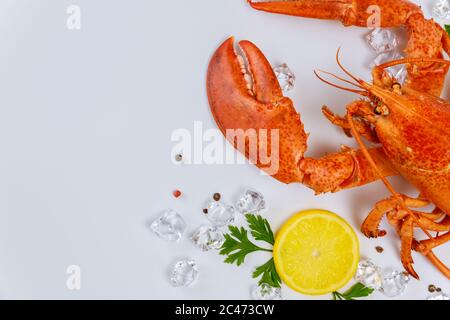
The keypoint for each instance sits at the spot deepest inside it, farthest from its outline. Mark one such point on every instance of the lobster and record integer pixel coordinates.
(407, 126)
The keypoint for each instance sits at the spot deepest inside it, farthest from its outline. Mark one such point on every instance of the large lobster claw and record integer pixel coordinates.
(251, 111)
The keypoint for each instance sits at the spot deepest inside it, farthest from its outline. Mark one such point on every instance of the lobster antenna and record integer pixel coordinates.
(341, 79)
(342, 67)
(411, 60)
(361, 92)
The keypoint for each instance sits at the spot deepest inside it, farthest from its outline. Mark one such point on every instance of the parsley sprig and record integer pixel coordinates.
(237, 246)
(447, 28)
(357, 291)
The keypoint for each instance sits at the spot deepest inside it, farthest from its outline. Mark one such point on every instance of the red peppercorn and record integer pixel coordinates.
(177, 193)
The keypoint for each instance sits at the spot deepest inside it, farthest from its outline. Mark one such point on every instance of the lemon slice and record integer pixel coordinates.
(316, 252)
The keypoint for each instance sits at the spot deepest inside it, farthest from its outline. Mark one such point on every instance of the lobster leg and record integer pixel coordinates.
(363, 128)
(437, 214)
(349, 12)
(344, 170)
(373, 220)
(393, 221)
(438, 264)
(404, 223)
(429, 224)
(425, 247)
(370, 227)
(407, 237)
(426, 39)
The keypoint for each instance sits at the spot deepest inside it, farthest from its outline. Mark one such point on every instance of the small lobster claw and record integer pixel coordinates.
(249, 108)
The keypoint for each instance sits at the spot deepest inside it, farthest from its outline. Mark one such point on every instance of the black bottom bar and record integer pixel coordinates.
(222, 309)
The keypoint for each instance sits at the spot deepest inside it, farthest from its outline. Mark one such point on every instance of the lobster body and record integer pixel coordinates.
(416, 138)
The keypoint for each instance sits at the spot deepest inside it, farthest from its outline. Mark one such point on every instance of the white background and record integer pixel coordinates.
(85, 143)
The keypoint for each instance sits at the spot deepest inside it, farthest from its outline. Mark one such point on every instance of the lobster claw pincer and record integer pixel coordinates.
(249, 108)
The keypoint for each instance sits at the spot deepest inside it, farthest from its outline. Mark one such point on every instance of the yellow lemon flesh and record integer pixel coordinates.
(316, 252)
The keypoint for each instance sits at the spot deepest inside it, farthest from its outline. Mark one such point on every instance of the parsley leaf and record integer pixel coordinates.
(447, 28)
(357, 291)
(237, 246)
(260, 228)
(269, 274)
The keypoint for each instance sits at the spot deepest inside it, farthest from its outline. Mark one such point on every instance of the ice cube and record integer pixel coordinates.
(169, 226)
(220, 214)
(285, 77)
(184, 273)
(266, 292)
(208, 238)
(441, 9)
(382, 40)
(369, 274)
(251, 202)
(438, 296)
(394, 283)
